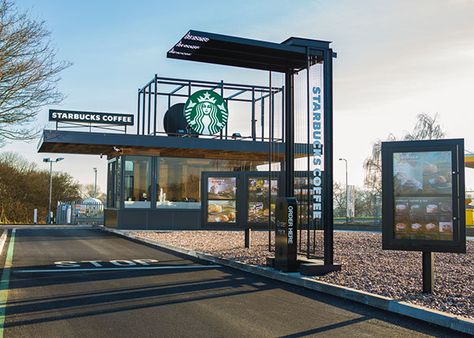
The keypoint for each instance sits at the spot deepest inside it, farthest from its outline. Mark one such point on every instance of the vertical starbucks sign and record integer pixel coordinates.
(206, 112)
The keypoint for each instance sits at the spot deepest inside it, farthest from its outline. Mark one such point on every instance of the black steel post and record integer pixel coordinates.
(283, 115)
(155, 104)
(270, 143)
(428, 272)
(247, 237)
(289, 135)
(328, 160)
(222, 95)
(143, 111)
(308, 153)
(227, 124)
(253, 115)
(138, 113)
(149, 109)
(262, 118)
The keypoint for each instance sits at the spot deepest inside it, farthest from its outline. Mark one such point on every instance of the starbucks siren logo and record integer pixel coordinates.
(206, 112)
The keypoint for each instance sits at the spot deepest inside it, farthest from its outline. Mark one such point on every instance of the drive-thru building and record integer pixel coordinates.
(212, 155)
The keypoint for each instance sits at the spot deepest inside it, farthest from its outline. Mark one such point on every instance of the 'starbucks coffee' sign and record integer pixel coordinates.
(206, 112)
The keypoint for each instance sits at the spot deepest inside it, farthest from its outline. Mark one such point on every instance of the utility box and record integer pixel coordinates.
(286, 231)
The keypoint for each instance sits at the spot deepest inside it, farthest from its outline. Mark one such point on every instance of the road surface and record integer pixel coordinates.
(89, 283)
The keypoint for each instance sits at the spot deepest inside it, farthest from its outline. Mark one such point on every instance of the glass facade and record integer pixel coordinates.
(137, 182)
(177, 181)
(113, 183)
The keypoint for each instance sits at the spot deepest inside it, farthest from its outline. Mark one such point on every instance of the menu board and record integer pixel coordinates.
(260, 202)
(422, 185)
(221, 197)
(221, 188)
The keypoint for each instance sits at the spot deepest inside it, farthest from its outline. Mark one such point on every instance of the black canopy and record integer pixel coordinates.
(290, 55)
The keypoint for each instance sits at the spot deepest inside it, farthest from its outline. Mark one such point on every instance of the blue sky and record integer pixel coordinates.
(395, 59)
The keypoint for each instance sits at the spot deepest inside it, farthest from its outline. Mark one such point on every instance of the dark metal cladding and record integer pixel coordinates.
(242, 52)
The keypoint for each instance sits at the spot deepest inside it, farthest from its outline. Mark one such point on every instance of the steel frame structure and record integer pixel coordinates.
(148, 97)
(289, 57)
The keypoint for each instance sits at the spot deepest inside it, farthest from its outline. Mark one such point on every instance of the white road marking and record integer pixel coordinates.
(162, 267)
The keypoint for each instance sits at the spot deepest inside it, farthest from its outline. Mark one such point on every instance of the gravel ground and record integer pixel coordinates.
(365, 266)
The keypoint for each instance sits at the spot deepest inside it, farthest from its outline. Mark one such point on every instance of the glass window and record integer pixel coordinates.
(118, 180)
(137, 182)
(179, 182)
(110, 184)
(179, 179)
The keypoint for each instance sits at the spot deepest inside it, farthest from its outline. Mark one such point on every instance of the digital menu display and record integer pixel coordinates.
(422, 185)
(221, 188)
(259, 201)
(221, 196)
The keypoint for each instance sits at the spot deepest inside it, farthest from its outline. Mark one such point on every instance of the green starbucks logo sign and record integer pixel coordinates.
(206, 112)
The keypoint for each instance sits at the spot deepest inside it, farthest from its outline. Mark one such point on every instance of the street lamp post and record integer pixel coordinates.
(95, 182)
(51, 161)
(347, 199)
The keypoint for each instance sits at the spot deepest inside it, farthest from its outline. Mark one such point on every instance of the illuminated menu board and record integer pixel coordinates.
(423, 195)
(221, 199)
(259, 201)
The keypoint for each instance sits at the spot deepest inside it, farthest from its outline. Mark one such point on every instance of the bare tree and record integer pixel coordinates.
(373, 167)
(427, 127)
(28, 72)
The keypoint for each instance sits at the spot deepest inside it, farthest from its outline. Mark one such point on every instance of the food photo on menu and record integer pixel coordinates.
(423, 218)
(259, 212)
(219, 211)
(259, 187)
(422, 173)
(221, 188)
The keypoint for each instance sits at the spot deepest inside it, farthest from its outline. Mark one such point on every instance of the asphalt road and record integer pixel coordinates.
(88, 283)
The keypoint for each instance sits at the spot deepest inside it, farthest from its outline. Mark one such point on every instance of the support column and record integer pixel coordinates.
(328, 220)
(289, 135)
(428, 272)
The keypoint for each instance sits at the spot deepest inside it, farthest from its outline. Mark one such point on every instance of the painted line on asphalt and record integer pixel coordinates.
(165, 267)
(5, 282)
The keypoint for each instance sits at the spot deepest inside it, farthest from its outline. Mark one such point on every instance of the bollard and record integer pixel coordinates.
(247, 237)
(35, 216)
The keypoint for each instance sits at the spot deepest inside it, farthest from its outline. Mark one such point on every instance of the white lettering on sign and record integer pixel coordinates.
(290, 224)
(317, 153)
(99, 264)
(112, 118)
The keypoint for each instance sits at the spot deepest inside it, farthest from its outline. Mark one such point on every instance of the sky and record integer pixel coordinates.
(395, 59)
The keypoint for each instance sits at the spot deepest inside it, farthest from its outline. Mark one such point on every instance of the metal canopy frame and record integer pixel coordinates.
(148, 97)
(288, 57)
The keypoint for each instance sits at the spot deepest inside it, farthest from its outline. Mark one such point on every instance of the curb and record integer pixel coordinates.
(453, 322)
(3, 239)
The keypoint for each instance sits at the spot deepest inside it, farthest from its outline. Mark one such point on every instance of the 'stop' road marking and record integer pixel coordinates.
(162, 267)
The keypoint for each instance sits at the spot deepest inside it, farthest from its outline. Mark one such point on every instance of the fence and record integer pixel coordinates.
(91, 213)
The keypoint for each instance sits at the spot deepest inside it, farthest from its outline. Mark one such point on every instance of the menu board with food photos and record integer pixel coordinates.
(221, 199)
(423, 195)
(259, 203)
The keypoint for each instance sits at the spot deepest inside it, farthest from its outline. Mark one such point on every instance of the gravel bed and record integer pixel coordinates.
(365, 266)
